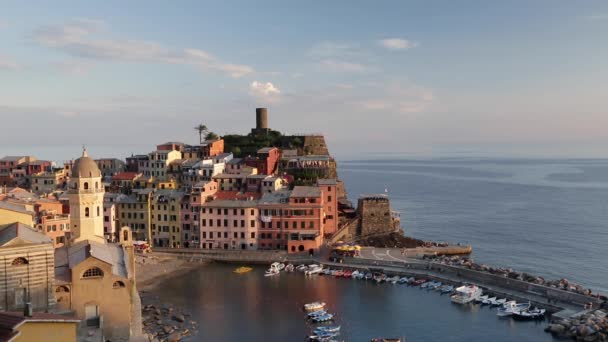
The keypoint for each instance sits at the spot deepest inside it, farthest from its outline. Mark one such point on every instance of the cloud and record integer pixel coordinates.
(8, 64)
(396, 44)
(80, 38)
(342, 66)
(265, 92)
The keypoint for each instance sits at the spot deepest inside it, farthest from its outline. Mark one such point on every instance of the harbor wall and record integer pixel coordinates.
(232, 256)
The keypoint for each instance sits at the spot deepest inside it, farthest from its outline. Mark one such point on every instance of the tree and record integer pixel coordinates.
(210, 136)
(201, 129)
(236, 151)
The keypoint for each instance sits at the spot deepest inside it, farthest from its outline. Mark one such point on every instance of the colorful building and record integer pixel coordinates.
(38, 326)
(329, 190)
(55, 227)
(13, 212)
(229, 224)
(165, 218)
(134, 211)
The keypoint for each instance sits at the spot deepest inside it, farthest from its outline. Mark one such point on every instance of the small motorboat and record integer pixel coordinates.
(301, 268)
(403, 280)
(379, 277)
(387, 339)
(498, 302)
(434, 285)
(339, 273)
(534, 313)
(328, 329)
(322, 336)
(369, 276)
(289, 268)
(510, 307)
(417, 282)
(355, 274)
(313, 269)
(323, 318)
(347, 274)
(242, 269)
(446, 289)
(489, 301)
(314, 306)
(481, 299)
(317, 313)
(271, 272)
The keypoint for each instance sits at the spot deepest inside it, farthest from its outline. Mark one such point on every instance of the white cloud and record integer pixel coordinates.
(79, 38)
(8, 64)
(342, 66)
(396, 44)
(265, 92)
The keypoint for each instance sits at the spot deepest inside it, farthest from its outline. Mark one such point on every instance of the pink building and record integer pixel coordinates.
(229, 224)
(329, 190)
(190, 218)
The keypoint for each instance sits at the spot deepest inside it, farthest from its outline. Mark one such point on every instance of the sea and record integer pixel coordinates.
(547, 217)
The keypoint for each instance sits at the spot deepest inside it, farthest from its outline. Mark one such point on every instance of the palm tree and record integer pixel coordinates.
(201, 129)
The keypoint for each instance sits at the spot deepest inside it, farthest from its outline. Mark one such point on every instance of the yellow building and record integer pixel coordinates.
(22, 327)
(47, 182)
(12, 212)
(93, 278)
(166, 218)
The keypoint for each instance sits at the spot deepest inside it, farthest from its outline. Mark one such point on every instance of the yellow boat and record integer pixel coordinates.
(242, 269)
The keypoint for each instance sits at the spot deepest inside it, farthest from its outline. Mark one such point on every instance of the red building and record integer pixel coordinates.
(55, 227)
(37, 166)
(292, 220)
(266, 161)
(212, 148)
(329, 190)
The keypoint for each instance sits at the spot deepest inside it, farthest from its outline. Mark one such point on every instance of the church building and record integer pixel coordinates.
(93, 278)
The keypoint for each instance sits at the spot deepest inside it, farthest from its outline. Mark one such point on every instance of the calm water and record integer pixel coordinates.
(251, 307)
(546, 217)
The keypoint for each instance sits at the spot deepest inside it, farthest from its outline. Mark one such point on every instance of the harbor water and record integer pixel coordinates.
(545, 217)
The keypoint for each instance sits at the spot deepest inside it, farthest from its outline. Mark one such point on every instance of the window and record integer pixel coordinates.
(328, 198)
(204, 222)
(263, 224)
(236, 235)
(86, 212)
(302, 224)
(294, 225)
(253, 235)
(311, 224)
(19, 261)
(279, 224)
(242, 223)
(252, 223)
(233, 211)
(242, 235)
(93, 272)
(219, 222)
(204, 235)
(86, 185)
(98, 212)
(235, 223)
(118, 284)
(225, 223)
(225, 235)
(211, 235)
(252, 211)
(242, 211)
(225, 211)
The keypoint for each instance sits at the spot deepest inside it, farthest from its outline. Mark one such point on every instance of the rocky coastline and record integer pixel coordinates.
(592, 326)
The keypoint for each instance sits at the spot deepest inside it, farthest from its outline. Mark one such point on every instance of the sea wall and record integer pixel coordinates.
(235, 256)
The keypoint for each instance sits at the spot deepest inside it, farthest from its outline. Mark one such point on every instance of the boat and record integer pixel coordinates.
(510, 307)
(317, 313)
(314, 306)
(338, 273)
(323, 318)
(301, 268)
(348, 273)
(328, 329)
(387, 339)
(488, 301)
(403, 280)
(369, 276)
(466, 294)
(529, 313)
(322, 336)
(446, 289)
(271, 272)
(289, 268)
(393, 280)
(379, 277)
(433, 285)
(481, 299)
(313, 269)
(242, 269)
(498, 302)
(417, 282)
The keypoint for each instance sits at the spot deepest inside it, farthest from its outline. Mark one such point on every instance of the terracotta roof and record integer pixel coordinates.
(236, 195)
(125, 176)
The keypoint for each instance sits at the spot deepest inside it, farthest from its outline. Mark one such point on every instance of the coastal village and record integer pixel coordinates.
(71, 234)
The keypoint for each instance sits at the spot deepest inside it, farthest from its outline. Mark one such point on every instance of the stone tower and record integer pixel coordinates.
(86, 200)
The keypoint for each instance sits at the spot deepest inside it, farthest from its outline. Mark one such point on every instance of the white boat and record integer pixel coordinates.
(393, 280)
(498, 302)
(510, 307)
(489, 301)
(271, 272)
(289, 268)
(328, 329)
(434, 285)
(529, 313)
(355, 274)
(314, 306)
(301, 268)
(465, 294)
(481, 299)
(403, 280)
(313, 269)
(317, 313)
(323, 318)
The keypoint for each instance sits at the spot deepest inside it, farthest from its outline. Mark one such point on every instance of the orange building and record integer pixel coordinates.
(329, 190)
(55, 227)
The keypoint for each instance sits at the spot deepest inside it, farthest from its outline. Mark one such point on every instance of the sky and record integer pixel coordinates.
(495, 78)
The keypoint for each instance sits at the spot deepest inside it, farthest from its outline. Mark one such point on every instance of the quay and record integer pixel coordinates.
(556, 301)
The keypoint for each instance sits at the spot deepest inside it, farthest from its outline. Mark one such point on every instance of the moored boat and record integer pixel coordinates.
(369, 276)
(379, 277)
(271, 272)
(242, 269)
(435, 285)
(289, 268)
(323, 318)
(510, 307)
(417, 282)
(533, 313)
(317, 313)
(447, 289)
(481, 299)
(314, 306)
(328, 329)
(393, 280)
(466, 294)
(498, 302)
(489, 301)
(403, 280)
(301, 268)
(347, 274)
(313, 269)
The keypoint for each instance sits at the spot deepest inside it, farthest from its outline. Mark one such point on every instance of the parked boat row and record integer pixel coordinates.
(316, 313)
(469, 293)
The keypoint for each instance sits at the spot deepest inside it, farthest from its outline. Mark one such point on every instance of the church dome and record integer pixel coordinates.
(85, 167)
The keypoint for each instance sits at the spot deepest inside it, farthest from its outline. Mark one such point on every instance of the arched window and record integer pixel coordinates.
(86, 212)
(86, 185)
(62, 289)
(19, 261)
(125, 235)
(97, 211)
(118, 284)
(93, 272)
(96, 185)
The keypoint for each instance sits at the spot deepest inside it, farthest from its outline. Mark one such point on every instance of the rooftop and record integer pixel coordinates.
(109, 253)
(12, 158)
(266, 149)
(327, 181)
(125, 176)
(20, 208)
(306, 191)
(277, 197)
(235, 161)
(231, 204)
(22, 232)
(236, 195)
(10, 321)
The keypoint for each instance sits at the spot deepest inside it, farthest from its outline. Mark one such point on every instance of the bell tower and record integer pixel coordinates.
(86, 200)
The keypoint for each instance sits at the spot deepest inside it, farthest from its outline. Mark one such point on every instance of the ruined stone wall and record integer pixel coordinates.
(315, 145)
(375, 215)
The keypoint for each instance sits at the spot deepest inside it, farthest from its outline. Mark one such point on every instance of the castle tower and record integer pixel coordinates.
(86, 200)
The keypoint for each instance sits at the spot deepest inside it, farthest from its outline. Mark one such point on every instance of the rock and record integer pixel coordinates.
(591, 338)
(159, 322)
(167, 329)
(157, 312)
(179, 318)
(581, 330)
(556, 329)
(175, 337)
